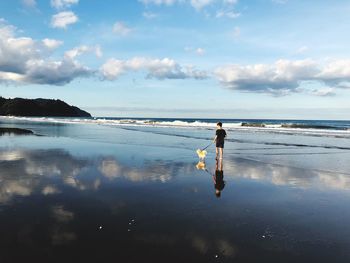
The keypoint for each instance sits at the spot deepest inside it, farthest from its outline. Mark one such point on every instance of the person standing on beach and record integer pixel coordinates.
(219, 139)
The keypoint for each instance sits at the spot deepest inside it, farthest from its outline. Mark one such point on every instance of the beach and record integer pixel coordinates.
(131, 191)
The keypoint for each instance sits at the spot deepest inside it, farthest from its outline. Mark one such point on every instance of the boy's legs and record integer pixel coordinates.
(217, 153)
(221, 153)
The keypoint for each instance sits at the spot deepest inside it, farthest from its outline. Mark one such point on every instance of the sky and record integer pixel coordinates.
(284, 59)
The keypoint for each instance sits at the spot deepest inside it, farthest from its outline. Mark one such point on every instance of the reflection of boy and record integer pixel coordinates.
(219, 182)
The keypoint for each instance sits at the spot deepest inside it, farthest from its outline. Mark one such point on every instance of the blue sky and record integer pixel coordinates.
(180, 58)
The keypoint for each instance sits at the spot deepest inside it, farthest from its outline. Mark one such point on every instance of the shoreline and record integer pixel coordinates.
(282, 128)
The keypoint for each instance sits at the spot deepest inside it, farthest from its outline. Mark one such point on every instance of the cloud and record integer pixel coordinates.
(158, 2)
(280, 1)
(120, 28)
(29, 3)
(156, 68)
(55, 72)
(199, 51)
(229, 14)
(60, 4)
(284, 76)
(63, 19)
(149, 15)
(52, 43)
(98, 51)
(200, 4)
(302, 50)
(323, 92)
(236, 32)
(25, 60)
(231, 2)
(77, 51)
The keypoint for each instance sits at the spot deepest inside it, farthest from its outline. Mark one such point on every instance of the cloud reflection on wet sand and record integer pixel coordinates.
(285, 176)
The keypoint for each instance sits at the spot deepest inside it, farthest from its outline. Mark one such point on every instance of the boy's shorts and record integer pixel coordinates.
(220, 144)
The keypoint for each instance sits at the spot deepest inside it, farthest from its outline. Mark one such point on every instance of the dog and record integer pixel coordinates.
(201, 154)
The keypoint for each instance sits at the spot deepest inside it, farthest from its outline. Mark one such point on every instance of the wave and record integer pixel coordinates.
(308, 128)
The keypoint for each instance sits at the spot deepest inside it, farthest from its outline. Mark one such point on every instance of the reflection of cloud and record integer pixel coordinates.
(60, 237)
(110, 168)
(23, 172)
(204, 245)
(61, 214)
(14, 188)
(158, 239)
(152, 171)
(226, 248)
(284, 175)
(10, 156)
(59, 234)
(48, 190)
(222, 247)
(200, 244)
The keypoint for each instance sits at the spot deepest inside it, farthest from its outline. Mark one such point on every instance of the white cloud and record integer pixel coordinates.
(156, 68)
(229, 14)
(323, 92)
(60, 4)
(54, 72)
(25, 60)
(98, 51)
(73, 53)
(149, 15)
(196, 4)
(200, 51)
(52, 43)
(63, 19)
(302, 50)
(231, 2)
(77, 51)
(280, 1)
(120, 28)
(285, 76)
(200, 4)
(236, 32)
(158, 2)
(29, 3)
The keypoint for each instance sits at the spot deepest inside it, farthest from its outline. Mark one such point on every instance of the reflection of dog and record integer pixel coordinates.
(201, 154)
(201, 165)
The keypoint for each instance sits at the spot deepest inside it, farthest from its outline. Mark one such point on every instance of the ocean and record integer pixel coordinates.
(133, 190)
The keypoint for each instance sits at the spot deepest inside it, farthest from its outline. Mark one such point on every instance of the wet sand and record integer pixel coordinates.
(141, 198)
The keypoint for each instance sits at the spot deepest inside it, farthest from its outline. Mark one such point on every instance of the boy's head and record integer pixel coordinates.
(217, 193)
(219, 124)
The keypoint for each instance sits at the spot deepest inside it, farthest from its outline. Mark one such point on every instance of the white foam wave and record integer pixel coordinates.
(275, 128)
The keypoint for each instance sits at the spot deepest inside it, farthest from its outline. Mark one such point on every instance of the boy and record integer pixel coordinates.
(219, 140)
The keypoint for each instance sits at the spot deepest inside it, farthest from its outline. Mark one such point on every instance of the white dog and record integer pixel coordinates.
(201, 154)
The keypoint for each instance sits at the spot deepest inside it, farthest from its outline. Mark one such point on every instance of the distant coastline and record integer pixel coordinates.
(39, 108)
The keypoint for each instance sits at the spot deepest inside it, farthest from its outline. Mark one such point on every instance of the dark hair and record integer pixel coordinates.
(219, 123)
(218, 194)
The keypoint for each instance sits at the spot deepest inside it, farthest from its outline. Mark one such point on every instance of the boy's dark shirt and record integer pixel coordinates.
(220, 135)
